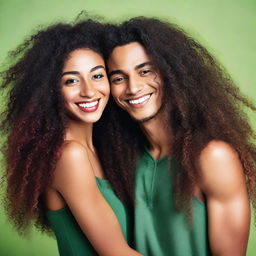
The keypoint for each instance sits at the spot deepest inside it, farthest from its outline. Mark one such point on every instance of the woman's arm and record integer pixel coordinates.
(75, 181)
(223, 182)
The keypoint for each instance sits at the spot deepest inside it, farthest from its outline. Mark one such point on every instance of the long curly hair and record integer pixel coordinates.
(201, 103)
(33, 121)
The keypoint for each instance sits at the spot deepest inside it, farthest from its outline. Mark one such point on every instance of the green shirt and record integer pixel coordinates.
(160, 230)
(70, 238)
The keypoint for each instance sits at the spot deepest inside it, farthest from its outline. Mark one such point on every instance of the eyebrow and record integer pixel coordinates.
(77, 72)
(119, 71)
(97, 67)
(143, 65)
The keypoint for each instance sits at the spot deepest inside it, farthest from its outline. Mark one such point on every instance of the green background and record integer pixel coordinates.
(226, 27)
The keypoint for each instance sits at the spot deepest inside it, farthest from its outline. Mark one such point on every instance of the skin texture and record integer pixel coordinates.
(136, 81)
(222, 181)
(84, 80)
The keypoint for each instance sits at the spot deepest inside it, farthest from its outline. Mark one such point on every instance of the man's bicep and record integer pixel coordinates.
(223, 183)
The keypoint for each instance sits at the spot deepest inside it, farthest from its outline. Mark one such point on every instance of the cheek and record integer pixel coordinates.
(116, 91)
(103, 87)
(107, 90)
(65, 95)
(157, 85)
(69, 95)
(113, 91)
(155, 80)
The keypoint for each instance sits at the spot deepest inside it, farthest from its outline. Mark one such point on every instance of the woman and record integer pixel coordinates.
(57, 90)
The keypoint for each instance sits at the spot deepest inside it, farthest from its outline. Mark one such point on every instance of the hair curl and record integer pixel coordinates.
(201, 103)
(34, 120)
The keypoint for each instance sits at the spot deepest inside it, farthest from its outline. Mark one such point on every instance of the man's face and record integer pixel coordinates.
(135, 84)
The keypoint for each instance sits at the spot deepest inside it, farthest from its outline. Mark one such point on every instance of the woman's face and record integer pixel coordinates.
(84, 85)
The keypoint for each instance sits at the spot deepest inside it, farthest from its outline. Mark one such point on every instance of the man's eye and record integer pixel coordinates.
(97, 76)
(118, 80)
(71, 81)
(145, 72)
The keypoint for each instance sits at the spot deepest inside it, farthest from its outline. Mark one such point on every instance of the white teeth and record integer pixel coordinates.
(89, 104)
(140, 100)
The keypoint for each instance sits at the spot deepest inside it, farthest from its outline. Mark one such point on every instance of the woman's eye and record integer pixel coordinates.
(71, 81)
(97, 76)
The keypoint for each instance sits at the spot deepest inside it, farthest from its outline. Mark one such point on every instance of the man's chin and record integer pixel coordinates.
(145, 119)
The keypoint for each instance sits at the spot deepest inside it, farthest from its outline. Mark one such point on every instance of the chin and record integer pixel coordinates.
(144, 119)
(92, 120)
(147, 117)
(89, 119)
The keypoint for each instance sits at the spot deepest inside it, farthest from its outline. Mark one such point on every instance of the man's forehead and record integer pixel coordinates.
(129, 56)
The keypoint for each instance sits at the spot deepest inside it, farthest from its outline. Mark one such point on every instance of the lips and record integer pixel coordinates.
(139, 102)
(88, 106)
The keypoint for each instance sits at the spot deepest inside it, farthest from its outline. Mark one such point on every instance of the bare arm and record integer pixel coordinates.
(223, 182)
(75, 181)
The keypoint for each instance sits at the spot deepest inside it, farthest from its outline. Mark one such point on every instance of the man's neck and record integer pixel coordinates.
(158, 135)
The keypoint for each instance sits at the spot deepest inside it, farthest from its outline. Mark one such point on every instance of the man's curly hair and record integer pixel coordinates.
(201, 104)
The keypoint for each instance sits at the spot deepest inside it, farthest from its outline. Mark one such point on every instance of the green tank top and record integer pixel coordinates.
(70, 238)
(160, 230)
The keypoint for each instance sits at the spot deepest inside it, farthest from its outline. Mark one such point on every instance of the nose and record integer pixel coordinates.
(87, 89)
(134, 86)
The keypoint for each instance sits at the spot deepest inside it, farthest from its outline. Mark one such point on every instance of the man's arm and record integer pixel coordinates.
(222, 180)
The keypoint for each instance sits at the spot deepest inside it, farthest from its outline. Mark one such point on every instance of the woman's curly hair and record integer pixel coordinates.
(33, 121)
(201, 104)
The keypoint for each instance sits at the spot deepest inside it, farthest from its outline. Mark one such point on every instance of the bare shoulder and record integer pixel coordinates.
(217, 150)
(73, 163)
(73, 154)
(220, 167)
(72, 149)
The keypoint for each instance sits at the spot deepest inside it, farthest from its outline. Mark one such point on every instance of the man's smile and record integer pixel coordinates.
(140, 100)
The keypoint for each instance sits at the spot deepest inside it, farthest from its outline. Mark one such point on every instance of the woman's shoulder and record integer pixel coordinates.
(73, 162)
(72, 149)
(73, 155)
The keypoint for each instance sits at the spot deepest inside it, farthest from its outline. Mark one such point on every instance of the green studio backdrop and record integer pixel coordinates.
(226, 27)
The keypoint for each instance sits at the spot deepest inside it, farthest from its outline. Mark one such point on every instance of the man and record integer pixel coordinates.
(196, 164)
